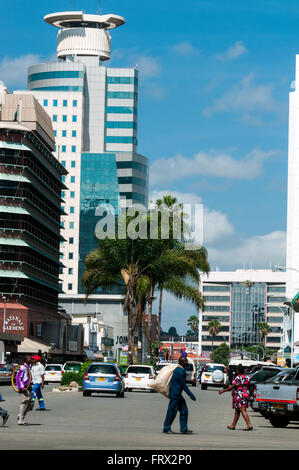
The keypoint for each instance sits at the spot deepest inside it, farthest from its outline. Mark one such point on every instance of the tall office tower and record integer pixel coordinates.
(94, 114)
(292, 252)
(30, 211)
(240, 300)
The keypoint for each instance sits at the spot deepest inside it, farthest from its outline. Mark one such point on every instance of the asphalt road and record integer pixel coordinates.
(134, 422)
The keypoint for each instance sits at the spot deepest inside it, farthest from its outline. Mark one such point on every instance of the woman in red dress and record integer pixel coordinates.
(240, 389)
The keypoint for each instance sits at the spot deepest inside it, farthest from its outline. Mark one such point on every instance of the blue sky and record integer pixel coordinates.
(213, 108)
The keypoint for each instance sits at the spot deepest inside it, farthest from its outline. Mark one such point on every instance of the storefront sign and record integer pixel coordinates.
(14, 323)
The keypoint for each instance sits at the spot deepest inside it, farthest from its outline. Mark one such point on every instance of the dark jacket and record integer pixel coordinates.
(178, 384)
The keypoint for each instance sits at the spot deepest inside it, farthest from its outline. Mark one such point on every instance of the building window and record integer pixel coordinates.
(64, 103)
(63, 178)
(73, 179)
(74, 118)
(45, 102)
(71, 255)
(63, 148)
(70, 286)
(61, 255)
(72, 210)
(55, 133)
(63, 163)
(54, 118)
(72, 194)
(75, 103)
(71, 240)
(73, 148)
(55, 103)
(73, 164)
(71, 224)
(74, 133)
(70, 271)
(39, 330)
(63, 133)
(62, 194)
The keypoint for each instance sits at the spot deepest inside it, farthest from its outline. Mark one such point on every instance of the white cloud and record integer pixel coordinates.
(215, 223)
(14, 71)
(185, 48)
(245, 97)
(148, 66)
(258, 252)
(233, 52)
(209, 164)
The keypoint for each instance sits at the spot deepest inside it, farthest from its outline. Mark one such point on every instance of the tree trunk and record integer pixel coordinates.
(149, 321)
(159, 317)
(139, 332)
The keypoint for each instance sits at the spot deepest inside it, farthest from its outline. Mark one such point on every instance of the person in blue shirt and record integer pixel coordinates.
(177, 401)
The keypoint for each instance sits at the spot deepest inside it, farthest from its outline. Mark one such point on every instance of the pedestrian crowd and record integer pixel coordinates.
(30, 382)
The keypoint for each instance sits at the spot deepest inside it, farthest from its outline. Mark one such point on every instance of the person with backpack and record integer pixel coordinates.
(177, 402)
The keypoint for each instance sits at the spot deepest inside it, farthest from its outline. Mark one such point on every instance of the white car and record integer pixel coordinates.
(213, 375)
(139, 377)
(53, 373)
(160, 366)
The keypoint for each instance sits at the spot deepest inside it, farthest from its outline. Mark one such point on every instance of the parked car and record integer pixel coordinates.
(190, 370)
(53, 373)
(282, 376)
(103, 377)
(161, 365)
(71, 366)
(213, 375)
(278, 401)
(6, 373)
(139, 377)
(264, 373)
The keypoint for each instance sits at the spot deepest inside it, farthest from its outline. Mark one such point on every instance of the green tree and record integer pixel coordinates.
(221, 354)
(264, 330)
(214, 328)
(138, 264)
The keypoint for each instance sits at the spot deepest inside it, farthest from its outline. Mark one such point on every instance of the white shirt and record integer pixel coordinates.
(37, 371)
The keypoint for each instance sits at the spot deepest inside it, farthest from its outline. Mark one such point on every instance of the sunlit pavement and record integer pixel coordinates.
(135, 422)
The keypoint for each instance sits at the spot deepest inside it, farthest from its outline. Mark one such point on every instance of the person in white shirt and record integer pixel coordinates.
(38, 381)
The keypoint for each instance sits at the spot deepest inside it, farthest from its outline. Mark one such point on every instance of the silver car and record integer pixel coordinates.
(6, 371)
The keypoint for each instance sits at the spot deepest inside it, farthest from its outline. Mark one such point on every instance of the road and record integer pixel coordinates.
(135, 422)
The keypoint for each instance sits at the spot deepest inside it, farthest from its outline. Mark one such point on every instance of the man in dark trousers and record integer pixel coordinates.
(177, 401)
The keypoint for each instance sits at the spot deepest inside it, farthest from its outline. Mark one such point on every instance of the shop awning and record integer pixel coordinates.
(33, 346)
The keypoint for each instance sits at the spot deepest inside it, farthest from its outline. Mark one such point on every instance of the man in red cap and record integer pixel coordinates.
(38, 381)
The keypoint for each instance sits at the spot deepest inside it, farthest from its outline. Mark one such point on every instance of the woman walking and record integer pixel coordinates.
(240, 389)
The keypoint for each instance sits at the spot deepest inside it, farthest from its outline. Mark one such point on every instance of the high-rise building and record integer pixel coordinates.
(94, 115)
(292, 248)
(30, 211)
(240, 300)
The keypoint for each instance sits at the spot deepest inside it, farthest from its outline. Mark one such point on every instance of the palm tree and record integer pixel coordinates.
(138, 264)
(193, 322)
(264, 330)
(214, 328)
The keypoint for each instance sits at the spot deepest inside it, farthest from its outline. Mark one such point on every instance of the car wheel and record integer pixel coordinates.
(204, 386)
(86, 394)
(152, 391)
(279, 421)
(129, 389)
(194, 384)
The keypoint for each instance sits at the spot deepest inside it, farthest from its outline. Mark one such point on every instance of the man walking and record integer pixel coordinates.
(38, 380)
(23, 380)
(177, 401)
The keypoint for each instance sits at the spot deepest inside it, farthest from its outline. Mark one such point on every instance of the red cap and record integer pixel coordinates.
(37, 358)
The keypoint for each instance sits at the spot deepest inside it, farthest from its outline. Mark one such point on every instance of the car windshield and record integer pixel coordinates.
(212, 368)
(73, 367)
(138, 370)
(57, 368)
(102, 369)
(264, 374)
(282, 376)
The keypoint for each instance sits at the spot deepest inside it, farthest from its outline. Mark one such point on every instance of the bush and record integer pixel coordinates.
(69, 377)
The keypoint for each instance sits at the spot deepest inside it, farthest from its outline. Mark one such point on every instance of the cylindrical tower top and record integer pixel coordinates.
(82, 34)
